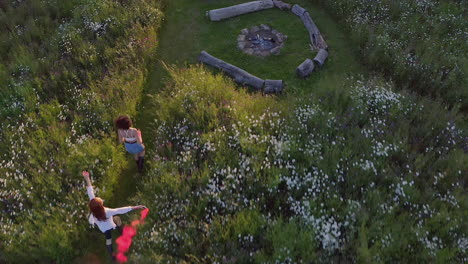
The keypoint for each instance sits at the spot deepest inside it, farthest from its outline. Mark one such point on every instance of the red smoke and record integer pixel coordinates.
(125, 240)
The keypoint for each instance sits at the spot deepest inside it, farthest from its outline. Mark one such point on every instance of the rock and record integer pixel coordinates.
(241, 45)
(298, 10)
(265, 27)
(321, 56)
(273, 86)
(275, 50)
(305, 69)
(254, 29)
(244, 31)
(281, 37)
(235, 10)
(241, 38)
(240, 76)
(249, 51)
(263, 53)
(281, 5)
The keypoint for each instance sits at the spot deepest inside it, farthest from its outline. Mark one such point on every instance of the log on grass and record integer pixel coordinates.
(240, 76)
(321, 56)
(236, 10)
(281, 5)
(305, 69)
(321, 44)
(273, 86)
(298, 10)
(316, 38)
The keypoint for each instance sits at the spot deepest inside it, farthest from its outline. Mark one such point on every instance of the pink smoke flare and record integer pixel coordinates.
(125, 240)
(144, 213)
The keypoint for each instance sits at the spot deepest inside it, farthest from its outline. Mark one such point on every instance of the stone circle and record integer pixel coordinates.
(261, 41)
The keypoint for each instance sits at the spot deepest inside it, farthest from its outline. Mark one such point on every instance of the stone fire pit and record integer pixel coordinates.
(261, 41)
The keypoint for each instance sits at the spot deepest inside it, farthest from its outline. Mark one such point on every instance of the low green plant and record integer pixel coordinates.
(297, 183)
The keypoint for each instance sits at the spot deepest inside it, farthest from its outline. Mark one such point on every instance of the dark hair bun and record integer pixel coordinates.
(123, 122)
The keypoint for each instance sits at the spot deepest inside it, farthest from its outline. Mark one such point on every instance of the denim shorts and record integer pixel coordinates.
(134, 148)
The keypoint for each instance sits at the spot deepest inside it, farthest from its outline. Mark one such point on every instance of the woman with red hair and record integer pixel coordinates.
(103, 216)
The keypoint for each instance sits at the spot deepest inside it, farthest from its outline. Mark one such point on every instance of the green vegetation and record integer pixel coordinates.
(362, 180)
(68, 68)
(419, 44)
(344, 166)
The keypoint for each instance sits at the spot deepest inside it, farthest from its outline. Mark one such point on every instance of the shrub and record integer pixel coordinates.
(298, 183)
(420, 45)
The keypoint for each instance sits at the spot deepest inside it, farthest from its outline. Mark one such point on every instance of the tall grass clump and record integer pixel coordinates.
(68, 68)
(419, 44)
(237, 178)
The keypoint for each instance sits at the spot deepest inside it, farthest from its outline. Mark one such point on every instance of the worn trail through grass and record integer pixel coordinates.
(187, 32)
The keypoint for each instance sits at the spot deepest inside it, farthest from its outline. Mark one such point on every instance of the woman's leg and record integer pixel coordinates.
(139, 154)
(108, 235)
(142, 153)
(141, 159)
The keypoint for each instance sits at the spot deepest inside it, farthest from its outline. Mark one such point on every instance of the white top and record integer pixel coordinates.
(126, 137)
(109, 223)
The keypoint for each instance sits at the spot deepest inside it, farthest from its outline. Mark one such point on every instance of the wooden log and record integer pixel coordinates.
(281, 5)
(298, 10)
(321, 43)
(316, 38)
(235, 10)
(240, 76)
(309, 23)
(273, 86)
(305, 69)
(321, 56)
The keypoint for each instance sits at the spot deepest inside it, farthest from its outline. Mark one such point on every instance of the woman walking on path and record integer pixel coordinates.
(131, 138)
(102, 216)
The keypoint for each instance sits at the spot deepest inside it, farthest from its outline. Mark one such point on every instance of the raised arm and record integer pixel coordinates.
(87, 179)
(89, 187)
(123, 210)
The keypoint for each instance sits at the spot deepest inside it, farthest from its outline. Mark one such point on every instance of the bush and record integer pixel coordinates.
(273, 183)
(418, 44)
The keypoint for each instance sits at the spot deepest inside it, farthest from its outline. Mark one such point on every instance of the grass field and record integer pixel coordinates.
(345, 166)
